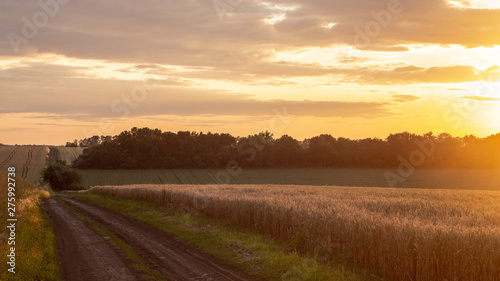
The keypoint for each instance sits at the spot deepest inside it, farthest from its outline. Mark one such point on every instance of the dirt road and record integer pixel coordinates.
(85, 255)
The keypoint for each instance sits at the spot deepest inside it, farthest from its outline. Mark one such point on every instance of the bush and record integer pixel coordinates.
(62, 177)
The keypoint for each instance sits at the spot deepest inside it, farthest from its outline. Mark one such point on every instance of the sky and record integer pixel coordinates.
(71, 69)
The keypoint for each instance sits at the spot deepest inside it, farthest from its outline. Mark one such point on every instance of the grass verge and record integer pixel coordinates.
(35, 244)
(250, 251)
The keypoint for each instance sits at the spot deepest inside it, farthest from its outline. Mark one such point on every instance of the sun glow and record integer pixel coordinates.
(475, 4)
(488, 4)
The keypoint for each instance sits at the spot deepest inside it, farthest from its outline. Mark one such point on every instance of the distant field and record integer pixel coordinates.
(68, 154)
(28, 160)
(402, 234)
(453, 179)
(425, 178)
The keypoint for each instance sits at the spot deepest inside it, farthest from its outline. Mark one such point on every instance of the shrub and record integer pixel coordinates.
(62, 177)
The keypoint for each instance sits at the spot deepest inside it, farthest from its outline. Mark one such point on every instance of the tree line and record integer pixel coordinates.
(145, 148)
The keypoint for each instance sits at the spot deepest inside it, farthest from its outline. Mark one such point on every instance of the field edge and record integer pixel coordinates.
(250, 251)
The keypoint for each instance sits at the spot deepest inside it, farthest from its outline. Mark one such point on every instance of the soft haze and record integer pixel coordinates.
(359, 68)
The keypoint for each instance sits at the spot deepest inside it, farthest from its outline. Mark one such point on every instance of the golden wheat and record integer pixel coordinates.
(28, 160)
(401, 234)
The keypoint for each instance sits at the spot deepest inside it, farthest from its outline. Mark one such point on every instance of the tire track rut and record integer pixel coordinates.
(84, 254)
(11, 155)
(173, 258)
(24, 174)
(52, 155)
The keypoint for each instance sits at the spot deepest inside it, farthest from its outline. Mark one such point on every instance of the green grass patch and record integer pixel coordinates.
(245, 249)
(35, 243)
(482, 179)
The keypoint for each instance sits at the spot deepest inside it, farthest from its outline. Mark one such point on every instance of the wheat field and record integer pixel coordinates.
(68, 154)
(401, 234)
(28, 160)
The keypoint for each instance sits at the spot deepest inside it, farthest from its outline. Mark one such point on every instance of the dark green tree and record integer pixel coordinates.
(61, 177)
